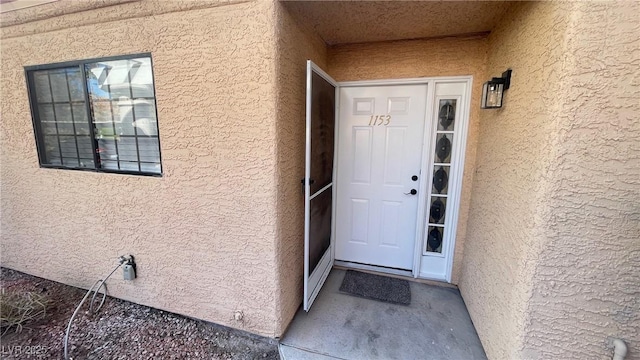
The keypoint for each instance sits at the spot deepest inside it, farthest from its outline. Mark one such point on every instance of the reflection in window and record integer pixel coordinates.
(97, 115)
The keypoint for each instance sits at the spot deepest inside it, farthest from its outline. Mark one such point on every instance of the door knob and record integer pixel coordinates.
(412, 192)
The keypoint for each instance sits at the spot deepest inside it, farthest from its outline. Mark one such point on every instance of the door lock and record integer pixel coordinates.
(414, 178)
(412, 192)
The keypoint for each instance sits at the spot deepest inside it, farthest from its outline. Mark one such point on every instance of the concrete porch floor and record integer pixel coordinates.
(339, 326)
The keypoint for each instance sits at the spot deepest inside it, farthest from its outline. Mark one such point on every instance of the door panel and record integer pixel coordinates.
(391, 217)
(359, 221)
(394, 156)
(362, 146)
(318, 181)
(380, 145)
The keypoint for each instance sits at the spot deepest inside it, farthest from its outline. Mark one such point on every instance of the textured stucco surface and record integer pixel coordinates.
(586, 286)
(515, 148)
(296, 44)
(204, 234)
(30, 12)
(64, 14)
(348, 22)
(552, 252)
(423, 58)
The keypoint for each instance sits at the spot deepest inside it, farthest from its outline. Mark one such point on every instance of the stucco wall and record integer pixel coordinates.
(204, 234)
(515, 148)
(296, 44)
(423, 58)
(551, 259)
(586, 286)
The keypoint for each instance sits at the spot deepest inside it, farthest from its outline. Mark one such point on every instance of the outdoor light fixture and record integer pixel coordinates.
(493, 90)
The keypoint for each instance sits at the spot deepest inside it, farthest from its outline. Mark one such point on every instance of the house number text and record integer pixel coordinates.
(380, 120)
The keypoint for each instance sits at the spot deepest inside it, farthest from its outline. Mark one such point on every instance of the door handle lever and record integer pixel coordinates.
(412, 192)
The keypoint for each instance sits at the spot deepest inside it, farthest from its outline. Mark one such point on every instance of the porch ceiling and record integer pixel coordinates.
(343, 22)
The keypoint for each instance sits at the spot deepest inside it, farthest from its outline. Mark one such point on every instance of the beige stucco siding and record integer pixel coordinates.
(204, 234)
(423, 58)
(515, 148)
(586, 287)
(551, 257)
(296, 44)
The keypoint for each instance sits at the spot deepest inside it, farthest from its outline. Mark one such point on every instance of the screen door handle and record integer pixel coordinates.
(412, 192)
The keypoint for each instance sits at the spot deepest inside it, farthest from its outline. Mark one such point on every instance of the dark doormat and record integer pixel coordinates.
(376, 287)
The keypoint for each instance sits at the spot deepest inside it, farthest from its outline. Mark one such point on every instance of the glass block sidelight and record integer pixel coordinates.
(441, 161)
(437, 210)
(440, 180)
(447, 114)
(434, 239)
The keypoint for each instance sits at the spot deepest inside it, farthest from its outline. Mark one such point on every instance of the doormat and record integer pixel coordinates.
(376, 287)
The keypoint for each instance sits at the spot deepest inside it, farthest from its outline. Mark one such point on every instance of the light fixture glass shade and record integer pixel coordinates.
(492, 95)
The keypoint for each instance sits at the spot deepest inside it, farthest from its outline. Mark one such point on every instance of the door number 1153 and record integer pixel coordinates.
(380, 120)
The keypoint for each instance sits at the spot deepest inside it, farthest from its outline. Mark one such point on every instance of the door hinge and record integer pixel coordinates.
(302, 183)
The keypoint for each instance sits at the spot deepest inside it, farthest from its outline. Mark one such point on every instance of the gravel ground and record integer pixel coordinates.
(121, 330)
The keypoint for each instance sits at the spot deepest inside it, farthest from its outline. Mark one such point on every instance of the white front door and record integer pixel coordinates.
(381, 130)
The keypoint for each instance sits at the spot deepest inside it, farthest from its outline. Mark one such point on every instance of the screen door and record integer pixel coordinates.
(318, 181)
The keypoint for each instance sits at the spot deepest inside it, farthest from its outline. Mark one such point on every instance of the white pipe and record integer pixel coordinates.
(619, 349)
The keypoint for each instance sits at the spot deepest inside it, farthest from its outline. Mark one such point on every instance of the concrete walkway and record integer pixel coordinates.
(435, 326)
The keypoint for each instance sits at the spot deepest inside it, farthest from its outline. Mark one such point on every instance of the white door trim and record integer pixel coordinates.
(459, 155)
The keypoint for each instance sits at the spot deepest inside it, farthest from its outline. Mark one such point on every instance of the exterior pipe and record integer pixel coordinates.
(619, 349)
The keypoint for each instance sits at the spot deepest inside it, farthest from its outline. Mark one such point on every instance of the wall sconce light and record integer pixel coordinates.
(493, 90)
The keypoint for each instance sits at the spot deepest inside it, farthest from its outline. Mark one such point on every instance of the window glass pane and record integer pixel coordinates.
(43, 92)
(70, 162)
(434, 239)
(124, 114)
(437, 210)
(137, 118)
(127, 149)
(109, 165)
(61, 116)
(80, 119)
(52, 150)
(47, 119)
(447, 115)
(74, 78)
(102, 112)
(87, 163)
(68, 147)
(64, 119)
(107, 149)
(443, 148)
(109, 79)
(85, 151)
(125, 118)
(150, 167)
(142, 79)
(149, 151)
(129, 166)
(440, 180)
(145, 114)
(59, 88)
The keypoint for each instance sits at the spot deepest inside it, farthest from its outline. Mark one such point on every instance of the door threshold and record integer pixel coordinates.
(373, 268)
(397, 273)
